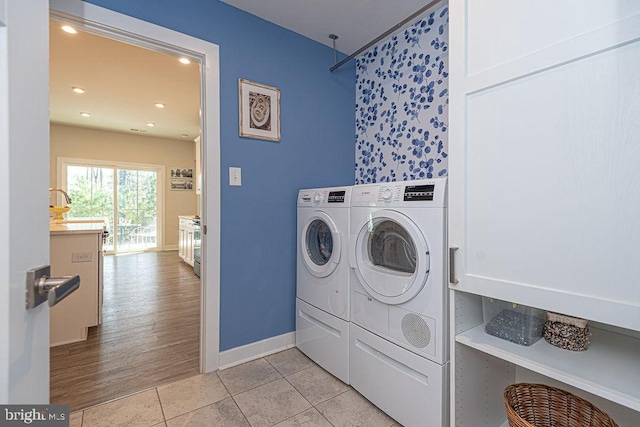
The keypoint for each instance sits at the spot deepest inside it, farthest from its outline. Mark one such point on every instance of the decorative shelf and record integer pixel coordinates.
(610, 368)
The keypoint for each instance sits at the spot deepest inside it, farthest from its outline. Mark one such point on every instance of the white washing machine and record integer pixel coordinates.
(399, 306)
(322, 303)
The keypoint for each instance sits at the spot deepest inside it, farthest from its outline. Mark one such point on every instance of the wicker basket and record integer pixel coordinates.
(538, 405)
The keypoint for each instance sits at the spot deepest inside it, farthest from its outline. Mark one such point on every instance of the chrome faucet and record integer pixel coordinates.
(64, 193)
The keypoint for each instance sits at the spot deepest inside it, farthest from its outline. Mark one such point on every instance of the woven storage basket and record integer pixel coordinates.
(538, 405)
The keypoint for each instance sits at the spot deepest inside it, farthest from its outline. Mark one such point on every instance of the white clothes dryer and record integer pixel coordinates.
(399, 304)
(322, 290)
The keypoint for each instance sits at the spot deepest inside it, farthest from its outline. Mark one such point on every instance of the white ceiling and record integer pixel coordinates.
(122, 83)
(355, 22)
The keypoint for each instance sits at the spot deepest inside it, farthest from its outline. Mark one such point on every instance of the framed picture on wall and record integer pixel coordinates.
(259, 110)
(181, 179)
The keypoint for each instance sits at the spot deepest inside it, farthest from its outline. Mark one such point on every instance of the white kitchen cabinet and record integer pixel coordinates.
(543, 202)
(186, 239)
(77, 249)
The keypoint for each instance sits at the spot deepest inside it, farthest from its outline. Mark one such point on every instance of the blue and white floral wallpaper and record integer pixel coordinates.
(402, 103)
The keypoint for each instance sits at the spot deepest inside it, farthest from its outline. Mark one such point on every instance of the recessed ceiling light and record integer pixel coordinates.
(184, 135)
(69, 29)
(78, 90)
(151, 124)
(84, 114)
(184, 61)
(159, 105)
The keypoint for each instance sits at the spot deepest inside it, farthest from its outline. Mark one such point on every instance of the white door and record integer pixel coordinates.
(320, 245)
(392, 257)
(24, 183)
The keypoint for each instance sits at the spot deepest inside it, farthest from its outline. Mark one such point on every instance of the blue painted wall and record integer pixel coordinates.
(258, 240)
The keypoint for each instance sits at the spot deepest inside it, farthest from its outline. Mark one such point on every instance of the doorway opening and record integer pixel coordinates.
(203, 55)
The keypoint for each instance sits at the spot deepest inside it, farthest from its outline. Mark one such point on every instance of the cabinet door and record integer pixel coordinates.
(543, 205)
(544, 130)
(181, 241)
(188, 256)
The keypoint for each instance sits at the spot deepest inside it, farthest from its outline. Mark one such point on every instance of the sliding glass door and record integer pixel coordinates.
(137, 209)
(127, 196)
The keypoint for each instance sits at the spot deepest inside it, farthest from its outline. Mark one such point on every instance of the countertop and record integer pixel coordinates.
(188, 216)
(76, 227)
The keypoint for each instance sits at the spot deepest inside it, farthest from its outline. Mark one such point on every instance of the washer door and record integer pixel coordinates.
(392, 257)
(320, 244)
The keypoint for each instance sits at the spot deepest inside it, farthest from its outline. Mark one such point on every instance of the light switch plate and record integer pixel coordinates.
(235, 176)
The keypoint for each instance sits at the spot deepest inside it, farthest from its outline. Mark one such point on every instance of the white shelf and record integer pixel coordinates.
(610, 368)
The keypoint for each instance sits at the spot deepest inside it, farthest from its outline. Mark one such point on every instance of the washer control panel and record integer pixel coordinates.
(336, 197)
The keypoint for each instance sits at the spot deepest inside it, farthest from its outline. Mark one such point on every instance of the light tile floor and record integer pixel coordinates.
(285, 389)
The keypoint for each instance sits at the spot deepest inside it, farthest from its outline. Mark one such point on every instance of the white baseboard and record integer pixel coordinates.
(170, 248)
(256, 350)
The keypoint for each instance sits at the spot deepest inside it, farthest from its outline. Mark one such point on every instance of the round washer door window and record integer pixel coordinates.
(320, 245)
(392, 257)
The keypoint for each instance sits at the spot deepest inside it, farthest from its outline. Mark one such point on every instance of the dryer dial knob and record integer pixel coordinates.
(387, 194)
(317, 197)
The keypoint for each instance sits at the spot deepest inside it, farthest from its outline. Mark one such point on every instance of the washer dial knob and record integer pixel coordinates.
(387, 193)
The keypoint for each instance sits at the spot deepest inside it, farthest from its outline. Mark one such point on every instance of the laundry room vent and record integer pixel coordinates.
(415, 330)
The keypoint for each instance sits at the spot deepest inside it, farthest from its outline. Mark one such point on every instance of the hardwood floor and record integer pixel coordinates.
(149, 333)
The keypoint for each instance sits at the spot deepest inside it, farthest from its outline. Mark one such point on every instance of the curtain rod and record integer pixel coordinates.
(384, 35)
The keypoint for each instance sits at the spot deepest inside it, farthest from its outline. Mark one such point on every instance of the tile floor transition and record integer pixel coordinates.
(285, 389)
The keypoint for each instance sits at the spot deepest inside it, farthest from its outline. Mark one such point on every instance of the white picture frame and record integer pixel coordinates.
(259, 111)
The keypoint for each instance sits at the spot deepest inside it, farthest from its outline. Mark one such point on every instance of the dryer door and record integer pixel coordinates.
(320, 244)
(392, 257)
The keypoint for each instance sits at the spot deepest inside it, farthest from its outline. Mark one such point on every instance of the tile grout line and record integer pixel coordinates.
(230, 396)
(200, 407)
(240, 409)
(253, 388)
(326, 400)
(303, 396)
(164, 418)
(312, 405)
(115, 399)
(281, 377)
(339, 394)
(233, 399)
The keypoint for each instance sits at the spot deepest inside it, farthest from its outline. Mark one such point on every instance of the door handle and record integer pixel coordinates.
(452, 266)
(41, 287)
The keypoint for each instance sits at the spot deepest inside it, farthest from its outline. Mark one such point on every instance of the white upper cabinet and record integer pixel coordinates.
(544, 154)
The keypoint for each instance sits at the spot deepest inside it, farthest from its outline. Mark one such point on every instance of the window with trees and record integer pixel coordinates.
(128, 196)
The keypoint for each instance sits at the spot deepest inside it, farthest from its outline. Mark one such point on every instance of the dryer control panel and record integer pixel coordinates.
(416, 193)
(419, 193)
